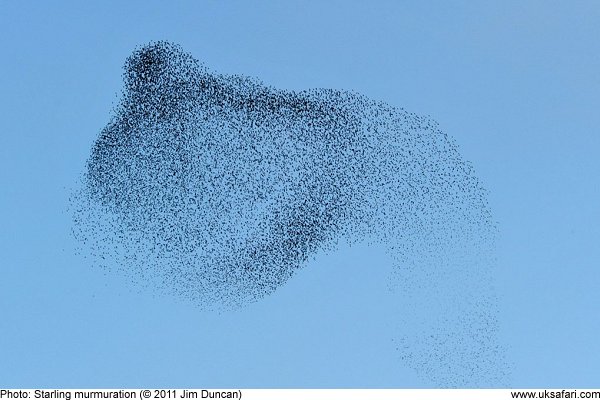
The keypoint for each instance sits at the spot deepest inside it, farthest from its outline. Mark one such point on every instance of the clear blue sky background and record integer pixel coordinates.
(516, 83)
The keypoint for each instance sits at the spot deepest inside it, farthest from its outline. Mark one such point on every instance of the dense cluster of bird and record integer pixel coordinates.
(217, 188)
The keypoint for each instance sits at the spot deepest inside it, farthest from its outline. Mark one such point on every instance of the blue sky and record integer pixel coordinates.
(515, 83)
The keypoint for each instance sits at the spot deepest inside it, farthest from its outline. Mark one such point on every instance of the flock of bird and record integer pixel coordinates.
(218, 188)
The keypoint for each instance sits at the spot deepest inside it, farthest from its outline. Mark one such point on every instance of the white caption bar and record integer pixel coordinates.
(300, 394)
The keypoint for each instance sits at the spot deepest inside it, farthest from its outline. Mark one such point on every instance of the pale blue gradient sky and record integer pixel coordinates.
(516, 83)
